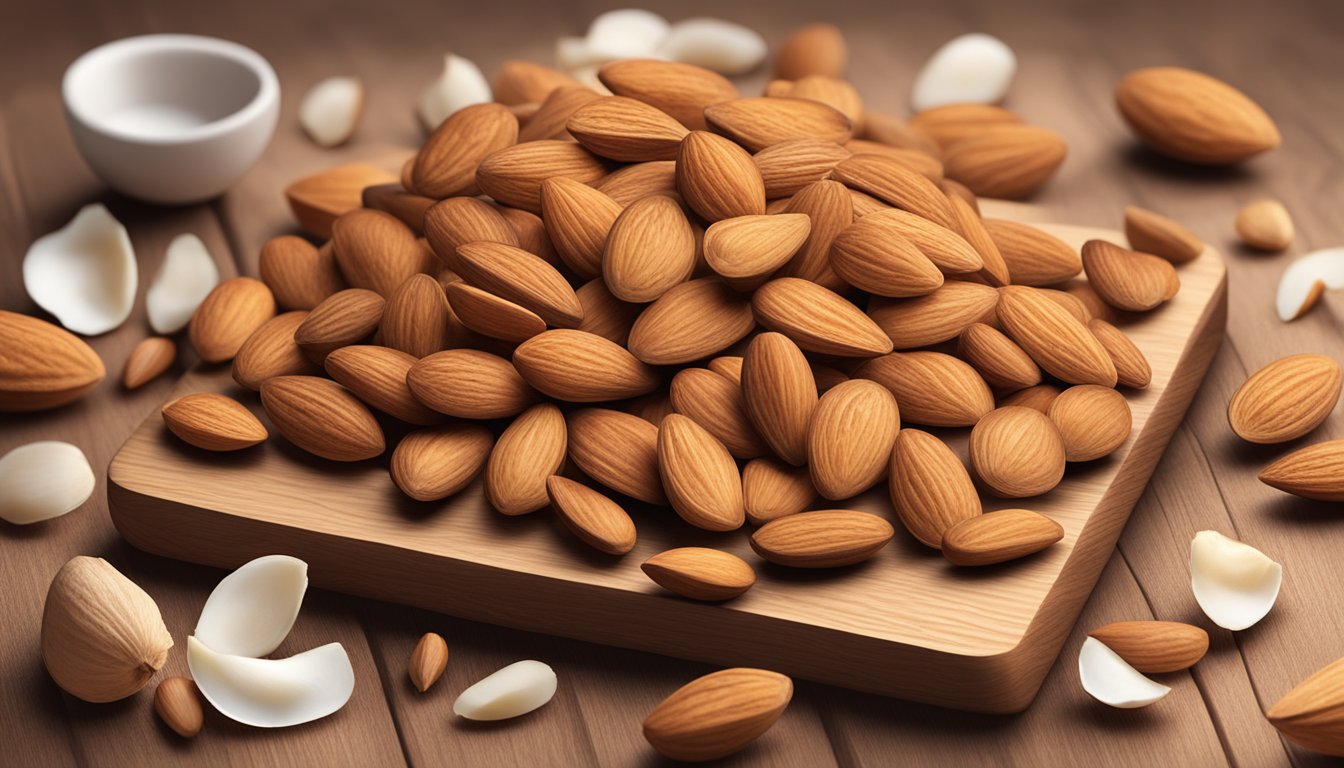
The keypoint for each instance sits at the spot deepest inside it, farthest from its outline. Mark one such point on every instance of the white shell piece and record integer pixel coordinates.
(1298, 282)
(512, 691)
(974, 68)
(725, 47)
(273, 693)
(84, 273)
(461, 84)
(187, 276)
(330, 110)
(1111, 680)
(42, 480)
(1234, 583)
(251, 610)
(627, 33)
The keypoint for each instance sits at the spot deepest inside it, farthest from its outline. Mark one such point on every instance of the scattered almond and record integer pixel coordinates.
(772, 489)
(521, 277)
(650, 249)
(272, 351)
(830, 538)
(227, 316)
(43, 365)
(578, 219)
(1154, 647)
(627, 130)
(746, 250)
(513, 175)
(1002, 363)
(1131, 367)
(700, 573)
(1193, 117)
(1154, 233)
(415, 318)
(718, 714)
(437, 462)
(818, 320)
(1127, 279)
(1312, 713)
(178, 705)
(318, 199)
(489, 315)
(213, 422)
(1266, 225)
(1314, 472)
(428, 661)
(944, 314)
(376, 251)
(815, 49)
(147, 361)
(1007, 161)
(530, 450)
(446, 164)
(1286, 399)
(322, 417)
(999, 536)
(594, 518)
(1033, 256)
(681, 90)
(1092, 421)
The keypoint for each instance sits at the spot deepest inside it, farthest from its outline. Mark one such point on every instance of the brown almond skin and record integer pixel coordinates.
(681, 90)
(581, 367)
(452, 223)
(692, 321)
(606, 315)
(1033, 256)
(716, 403)
(272, 351)
(932, 388)
(396, 200)
(1314, 472)
(1059, 343)
(699, 475)
(490, 315)
(818, 320)
(1002, 364)
(772, 489)
(322, 417)
(428, 661)
(528, 451)
(929, 486)
(1007, 161)
(627, 130)
(637, 180)
(813, 49)
(376, 251)
(43, 365)
(822, 539)
(342, 319)
(874, 255)
(1127, 279)
(521, 277)
(942, 315)
(227, 316)
(1154, 647)
(895, 184)
(717, 178)
(548, 121)
(789, 166)
(757, 123)
(578, 219)
(718, 714)
(523, 82)
(1286, 399)
(147, 361)
(746, 250)
(592, 517)
(415, 318)
(299, 274)
(951, 123)
(999, 536)
(830, 208)
(446, 164)
(438, 462)
(650, 249)
(618, 450)
(318, 199)
(700, 573)
(1265, 225)
(1092, 421)
(377, 375)
(1017, 452)
(1193, 117)
(213, 422)
(178, 705)
(1154, 233)
(850, 438)
(470, 384)
(1038, 397)
(513, 175)
(780, 394)
(1131, 366)
(1312, 713)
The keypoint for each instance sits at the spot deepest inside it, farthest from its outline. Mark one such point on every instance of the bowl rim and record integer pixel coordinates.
(266, 97)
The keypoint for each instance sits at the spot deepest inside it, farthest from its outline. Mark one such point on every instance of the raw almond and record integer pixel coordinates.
(874, 255)
(1314, 472)
(780, 394)
(692, 321)
(1093, 421)
(342, 319)
(717, 178)
(513, 175)
(653, 407)
(520, 277)
(700, 573)
(864, 204)
(552, 115)
(650, 249)
(272, 351)
(757, 123)
(227, 316)
(582, 367)
(789, 166)
(1154, 647)
(1286, 399)
(428, 661)
(1038, 397)
(438, 462)
(1002, 364)
(718, 714)
(415, 318)
(446, 164)
(894, 184)
(772, 489)
(627, 130)
(299, 275)
(1266, 225)
(1127, 279)
(1131, 367)
(532, 235)
(729, 367)
(951, 123)
(1007, 161)
(523, 82)
(850, 437)
(930, 488)
(1033, 256)
(618, 450)
(489, 315)
(1312, 714)
(1055, 339)
(376, 251)
(834, 92)
(1154, 233)
(896, 132)
(454, 222)
(322, 417)
(830, 209)
(1193, 117)
(815, 49)
(530, 450)
(393, 198)
(829, 538)
(147, 361)
(715, 402)
(377, 375)
(967, 221)
(999, 536)
(934, 389)
(606, 315)
(1071, 303)
(745, 250)
(1017, 452)
(318, 199)
(630, 183)
(178, 705)
(213, 422)
(818, 320)
(937, 317)
(699, 475)
(470, 384)
(592, 517)
(578, 219)
(680, 90)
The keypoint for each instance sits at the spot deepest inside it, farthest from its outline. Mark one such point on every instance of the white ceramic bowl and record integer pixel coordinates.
(171, 118)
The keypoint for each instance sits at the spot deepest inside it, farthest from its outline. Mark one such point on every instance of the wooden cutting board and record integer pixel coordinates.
(905, 624)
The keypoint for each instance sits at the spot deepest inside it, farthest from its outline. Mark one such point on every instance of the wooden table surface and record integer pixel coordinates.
(1286, 54)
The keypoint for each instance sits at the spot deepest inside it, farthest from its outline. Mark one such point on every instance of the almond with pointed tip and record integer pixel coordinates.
(621, 128)
(523, 82)
(818, 320)
(1131, 366)
(490, 315)
(530, 450)
(789, 166)
(694, 320)
(396, 200)
(830, 209)
(745, 250)
(437, 462)
(415, 318)
(177, 703)
(514, 274)
(470, 384)
(757, 123)
(850, 437)
(1127, 279)
(681, 90)
(872, 254)
(578, 219)
(772, 489)
(513, 175)
(929, 486)
(780, 394)
(1033, 256)
(1059, 343)
(582, 367)
(1038, 397)
(1266, 225)
(147, 361)
(322, 417)
(342, 319)
(650, 249)
(1092, 421)
(452, 223)
(967, 222)
(1312, 714)
(892, 182)
(272, 351)
(531, 232)
(627, 184)
(1002, 363)
(932, 388)
(831, 538)
(700, 573)
(592, 517)
(1286, 399)
(618, 450)
(950, 123)
(213, 422)
(606, 315)
(717, 178)
(1194, 117)
(1006, 161)
(999, 536)
(699, 475)
(1314, 472)
(227, 316)
(716, 403)
(1154, 647)
(1017, 452)
(318, 199)
(834, 92)
(428, 660)
(299, 275)
(552, 115)
(446, 164)
(916, 160)
(937, 317)
(376, 251)
(718, 714)
(1154, 233)
(377, 375)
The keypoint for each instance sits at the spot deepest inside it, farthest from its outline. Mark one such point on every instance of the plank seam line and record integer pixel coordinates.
(841, 752)
(385, 685)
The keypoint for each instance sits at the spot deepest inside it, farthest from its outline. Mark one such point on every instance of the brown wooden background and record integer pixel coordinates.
(1288, 54)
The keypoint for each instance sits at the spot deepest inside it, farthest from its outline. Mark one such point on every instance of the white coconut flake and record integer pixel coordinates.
(84, 273)
(331, 110)
(1234, 583)
(512, 691)
(273, 693)
(1305, 279)
(461, 84)
(725, 47)
(627, 33)
(1111, 680)
(187, 276)
(42, 480)
(974, 68)
(252, 609)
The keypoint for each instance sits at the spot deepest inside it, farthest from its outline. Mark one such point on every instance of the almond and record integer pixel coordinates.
(1038, 397)
(873, 254)
(699, 475)
(582, 367)
(213, 422)
(717, 178)
(830, 538)
(376, 251)
(627, 130)
(1154, 233)
(428, 660)
(322, 417)
(522, 82)
(438, 462)
(446, 164)
(594, 518)
(1131, 367)
(415, 318)
(553, 114)
(718, 714)
(489, 315)
(520, 277)
(814, 49)
(700, 573)
(933, 388)
(513, 175)
(1071, 303)
(299, 275)
(789, 166)
(930, 488)
(850, 437)
(894, 184)
(1154, 647)
(896, 132)
(578, 219)
(650, 249)
(729, 367)
(716, 403)
(377, 375)
(1266, 225)
(630, 183)
(618, 450)
(999, 536)
(530, 450)
(830, 210)
(1002, 364)
(1312, 713)
(272, 351)
(470, 384)
(864, 204)
(318, 199)
(1017, 452)
(818, 320)
(1055, 339)
(694, 320)
(772, 489)
(1093, 421)
(147, 361)
(178, 705)
(745, 250)
(780, 394)
(1127, 279)
(342, 319)
(454, 222)
(757, 123)
(227, 316)
(653, 407)
(831, 91)
(681, 90)
(606, 315)
(1286, 399)
(967, 221)
(1193, 117)
(1006, 161)
(531, 232)
(1314, 472)
(394, 199)
(1033, 256)
(950, 123)
(937, 317)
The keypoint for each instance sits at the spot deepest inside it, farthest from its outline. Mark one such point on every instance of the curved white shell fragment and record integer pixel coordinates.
(42, 480)
(974, 68)
(512, 691)
(330, 110)
(461, 84)
(626, 33)
(273, 693)
(251, 610)
(1234, 583)
(725, 47)
(1111, 680)
(84, 273)
(187, 276)
(1305, 279)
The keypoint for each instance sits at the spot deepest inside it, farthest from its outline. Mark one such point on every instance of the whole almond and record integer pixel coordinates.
(694, 320)
(553, 114)
(436, 462)
(1266, 225)
(446, 164)
(513, 175)
(1038, 397)
(999, 536)
(532, 235)
(627, 130)
(650, 249)
(757, 123)
(680, 90)
(1092, 421)
(1312, 713)
(1017, 452)
(376, 251)
(489, 315)
(299, 275)
(930, 487)
(745, 250)
(521, 82)
(1154, 233)
(834, 92)
(415, 318)
(1002, 364)
(717, 178)
(377, 375)
(1154, 647)
(470, 384)
(933, 388)
(342, 319)
(428, 660)
(1193, 117)
(43, 365)
(147, 361)
(937, 317)
(629, 183)
(916, 160)
(178, 705)
(1033, 256)
(699, 475)
(830, 538)
(850, 437)
(594, 518)
(727, 366)
(830, 209)
(522, 278)
(1314, 472)
(700, 573)
(393, 198)
(618, 450)
(789, 166)
(716, 403)
(1055, 339)
(896, 132)
(578, 219)
(318, 199)
(814, 49)
(454, 222)
(213, 422)
(227, 316)
(1131, 367)
(528, 451)
(582, 367)
(780, 394)
(1006, 161)
(272, 351)
(951, 123)
(873, 255)
(772, 489)
(893, 183)
(1127, 279)
(718, 714)
(1286, 399)
(818, 320)
(322, 417)
(606, 315)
